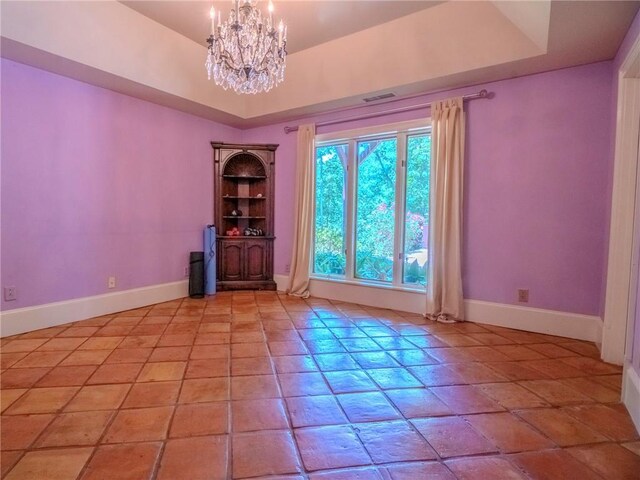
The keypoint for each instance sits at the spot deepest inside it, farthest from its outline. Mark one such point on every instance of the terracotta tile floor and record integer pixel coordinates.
(259, 385)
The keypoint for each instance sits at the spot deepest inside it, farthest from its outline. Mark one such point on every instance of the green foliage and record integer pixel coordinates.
(417, 205)
(413, 273)
(375, 208)
(330, 210)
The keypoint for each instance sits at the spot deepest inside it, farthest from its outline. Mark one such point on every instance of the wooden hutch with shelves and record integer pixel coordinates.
(244, 185)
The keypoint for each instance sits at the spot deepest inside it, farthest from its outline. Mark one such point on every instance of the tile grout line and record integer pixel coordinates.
(116, 411)
(285, 407)
(158, 463)
(55, 415)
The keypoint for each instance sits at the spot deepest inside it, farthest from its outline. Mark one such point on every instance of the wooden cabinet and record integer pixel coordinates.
(232, 256)
(244, 180)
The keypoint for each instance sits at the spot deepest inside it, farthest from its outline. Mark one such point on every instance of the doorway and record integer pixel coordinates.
(621, 338)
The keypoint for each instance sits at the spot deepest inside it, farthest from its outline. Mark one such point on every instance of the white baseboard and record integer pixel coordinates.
(281, 281)
(27, 319)
(631, 393)
(563, 324)
(552, 322)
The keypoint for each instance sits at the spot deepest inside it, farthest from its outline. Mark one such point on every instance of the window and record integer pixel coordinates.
(372, 205)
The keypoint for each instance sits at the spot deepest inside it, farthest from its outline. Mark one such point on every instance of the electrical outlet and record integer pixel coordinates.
(287, 268)
(523, 295)
(186, 271)
(10, 294)
(111, 283)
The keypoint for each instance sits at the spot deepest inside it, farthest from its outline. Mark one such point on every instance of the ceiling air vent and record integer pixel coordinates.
(379, 97)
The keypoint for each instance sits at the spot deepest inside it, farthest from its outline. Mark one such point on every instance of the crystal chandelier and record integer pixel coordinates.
(247, 52)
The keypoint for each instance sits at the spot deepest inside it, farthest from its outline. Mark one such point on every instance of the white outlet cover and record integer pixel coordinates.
(10, 294)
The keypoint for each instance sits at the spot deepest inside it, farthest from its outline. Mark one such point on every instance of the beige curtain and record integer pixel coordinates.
(300, 255)
(445, 301)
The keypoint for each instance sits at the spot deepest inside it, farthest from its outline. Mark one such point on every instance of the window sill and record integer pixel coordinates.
(361, 283)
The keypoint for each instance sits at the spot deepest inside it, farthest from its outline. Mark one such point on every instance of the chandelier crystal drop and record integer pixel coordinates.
(247, 52)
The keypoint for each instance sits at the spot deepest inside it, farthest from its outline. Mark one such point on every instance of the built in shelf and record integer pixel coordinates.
(243, 216)
(243, 198)
(245, 177)
(244, 237)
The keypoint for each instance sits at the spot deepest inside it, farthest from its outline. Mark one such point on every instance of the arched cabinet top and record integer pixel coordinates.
(244, 164)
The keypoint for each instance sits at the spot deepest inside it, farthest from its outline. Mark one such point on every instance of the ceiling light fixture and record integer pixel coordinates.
(247, 52)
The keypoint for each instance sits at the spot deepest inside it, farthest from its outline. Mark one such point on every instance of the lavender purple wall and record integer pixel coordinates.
(536, 201)
(536, 207)
(95, 184)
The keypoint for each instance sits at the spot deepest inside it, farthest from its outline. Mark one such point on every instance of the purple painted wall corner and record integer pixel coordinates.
(95, 184)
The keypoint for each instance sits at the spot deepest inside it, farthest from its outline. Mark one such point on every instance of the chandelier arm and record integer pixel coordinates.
(262, 59)
(229, 65)
(258, 49)
(266, 53)
(263, 67)
(240, 50)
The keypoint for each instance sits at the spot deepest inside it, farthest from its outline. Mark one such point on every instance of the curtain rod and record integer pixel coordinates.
(481, 94)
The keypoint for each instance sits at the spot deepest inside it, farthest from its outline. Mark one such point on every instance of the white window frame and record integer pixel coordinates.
(401, 131)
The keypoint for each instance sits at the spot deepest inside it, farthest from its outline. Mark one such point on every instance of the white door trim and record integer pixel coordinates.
(620, 275)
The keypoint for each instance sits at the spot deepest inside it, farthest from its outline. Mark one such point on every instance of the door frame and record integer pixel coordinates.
(622, 270)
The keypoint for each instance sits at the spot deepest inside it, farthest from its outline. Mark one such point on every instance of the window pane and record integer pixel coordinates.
(416, 228)
(375, 200)
(329, 255)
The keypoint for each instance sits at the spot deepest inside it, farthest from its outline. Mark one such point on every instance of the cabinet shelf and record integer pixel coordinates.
(246, 237)
(236, 197)
(245, 177)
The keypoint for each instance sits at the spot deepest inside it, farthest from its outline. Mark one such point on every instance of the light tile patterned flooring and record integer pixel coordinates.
(254, 384)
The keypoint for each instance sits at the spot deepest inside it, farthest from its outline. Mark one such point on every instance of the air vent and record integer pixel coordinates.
(379, 97)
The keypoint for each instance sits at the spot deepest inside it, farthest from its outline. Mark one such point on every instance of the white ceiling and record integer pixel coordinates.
(340, 51)
(312, 22)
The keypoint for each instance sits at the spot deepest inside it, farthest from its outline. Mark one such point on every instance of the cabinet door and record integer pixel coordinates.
(256, 260)
(232, 260)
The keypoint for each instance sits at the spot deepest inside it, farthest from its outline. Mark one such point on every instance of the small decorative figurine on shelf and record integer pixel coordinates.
(234, 232)
(253, 232)
(236, 213)
(259, 195)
